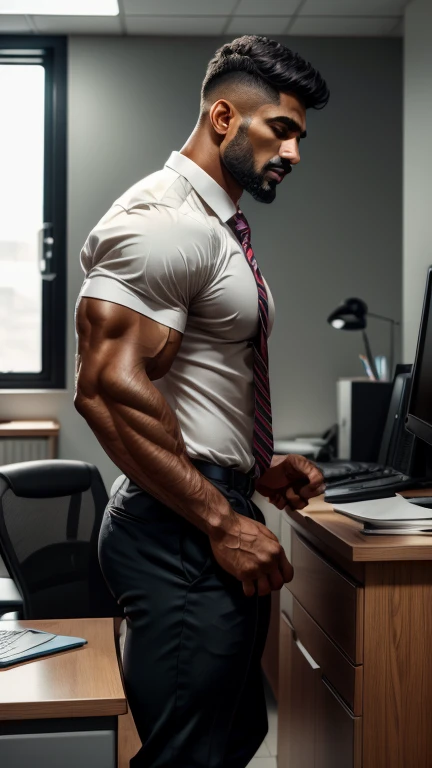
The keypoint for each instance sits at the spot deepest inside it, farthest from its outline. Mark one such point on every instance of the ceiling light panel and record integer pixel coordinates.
(60, 7)
(179, 7)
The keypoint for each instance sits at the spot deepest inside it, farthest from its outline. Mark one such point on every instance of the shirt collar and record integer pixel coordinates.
(207, 188)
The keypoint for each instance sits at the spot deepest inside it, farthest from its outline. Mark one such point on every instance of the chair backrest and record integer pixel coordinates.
(50, 516)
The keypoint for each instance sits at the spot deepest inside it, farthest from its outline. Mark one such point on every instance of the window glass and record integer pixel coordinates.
(22, 96)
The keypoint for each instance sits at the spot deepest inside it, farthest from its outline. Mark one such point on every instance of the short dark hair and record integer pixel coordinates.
(269, 65)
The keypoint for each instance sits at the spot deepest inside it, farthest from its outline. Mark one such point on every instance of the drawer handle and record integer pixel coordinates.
(312, 663)
(300, 645)
(287, 621)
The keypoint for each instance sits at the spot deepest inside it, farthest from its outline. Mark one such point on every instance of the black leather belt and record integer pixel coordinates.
(242, 482)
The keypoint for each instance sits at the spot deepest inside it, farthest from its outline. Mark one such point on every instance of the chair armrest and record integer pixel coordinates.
(10, 597)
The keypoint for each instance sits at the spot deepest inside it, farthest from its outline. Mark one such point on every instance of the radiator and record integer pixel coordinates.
(14, 449)
(30, 440)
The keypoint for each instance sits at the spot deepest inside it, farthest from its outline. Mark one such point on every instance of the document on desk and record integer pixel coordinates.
(22, 640)
(18, 646)
(388, 512)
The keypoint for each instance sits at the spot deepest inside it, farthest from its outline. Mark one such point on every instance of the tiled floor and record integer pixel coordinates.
(266, 755)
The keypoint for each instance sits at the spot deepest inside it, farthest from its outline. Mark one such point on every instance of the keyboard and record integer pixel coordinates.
(367, 477)
(14, 641)
(378, 488)
(346, 470)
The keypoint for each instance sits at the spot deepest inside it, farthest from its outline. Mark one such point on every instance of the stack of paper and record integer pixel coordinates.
(390, 513)
(303, 447)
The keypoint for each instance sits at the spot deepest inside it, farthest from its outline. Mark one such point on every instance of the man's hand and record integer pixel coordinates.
(249, 551)
(291, 481)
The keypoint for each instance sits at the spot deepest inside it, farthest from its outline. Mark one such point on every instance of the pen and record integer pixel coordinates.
(367, 367)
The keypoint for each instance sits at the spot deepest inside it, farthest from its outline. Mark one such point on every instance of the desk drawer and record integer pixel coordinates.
(87, 749)
(331, 599)
(316, 729)
(345, 678)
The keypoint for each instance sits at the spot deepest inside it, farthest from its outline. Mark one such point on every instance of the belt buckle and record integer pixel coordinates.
(247, 487)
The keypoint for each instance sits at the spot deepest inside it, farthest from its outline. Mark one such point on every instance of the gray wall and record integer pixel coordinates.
(417, 241)
(334, 230)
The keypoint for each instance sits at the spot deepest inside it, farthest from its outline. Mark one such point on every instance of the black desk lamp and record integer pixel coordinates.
(351, 316)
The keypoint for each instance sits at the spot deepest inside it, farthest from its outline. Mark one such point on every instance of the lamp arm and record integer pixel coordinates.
(382, 317)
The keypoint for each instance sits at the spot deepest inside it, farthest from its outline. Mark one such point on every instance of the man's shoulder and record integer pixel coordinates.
(164, 186)
(165, 200)
(156, 213)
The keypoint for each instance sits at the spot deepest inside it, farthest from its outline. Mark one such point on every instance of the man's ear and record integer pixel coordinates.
(221, 113)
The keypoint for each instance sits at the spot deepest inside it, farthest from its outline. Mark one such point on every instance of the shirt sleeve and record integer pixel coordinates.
(151, 259)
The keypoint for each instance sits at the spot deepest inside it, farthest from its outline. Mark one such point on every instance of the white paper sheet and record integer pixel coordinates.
(391, 510)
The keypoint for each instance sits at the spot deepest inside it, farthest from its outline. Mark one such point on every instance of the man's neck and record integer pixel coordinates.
(201, 149)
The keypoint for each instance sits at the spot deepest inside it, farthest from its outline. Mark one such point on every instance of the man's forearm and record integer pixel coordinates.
(146, 443)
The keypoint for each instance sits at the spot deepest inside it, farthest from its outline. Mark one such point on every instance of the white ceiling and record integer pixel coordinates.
(342, 18)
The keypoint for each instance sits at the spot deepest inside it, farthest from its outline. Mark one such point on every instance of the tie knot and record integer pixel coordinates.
(241, 227)
(240, 221)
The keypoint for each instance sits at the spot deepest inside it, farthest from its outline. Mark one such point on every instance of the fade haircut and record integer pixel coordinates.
(254, 61)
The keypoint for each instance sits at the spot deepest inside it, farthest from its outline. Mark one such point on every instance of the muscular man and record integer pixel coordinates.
(172, 377)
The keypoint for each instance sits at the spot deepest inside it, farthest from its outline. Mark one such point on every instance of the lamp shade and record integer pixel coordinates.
(349, 316)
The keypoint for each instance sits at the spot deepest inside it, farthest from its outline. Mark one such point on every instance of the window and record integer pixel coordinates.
(32, 212)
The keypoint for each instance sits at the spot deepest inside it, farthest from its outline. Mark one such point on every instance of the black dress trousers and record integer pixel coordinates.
(194, 641)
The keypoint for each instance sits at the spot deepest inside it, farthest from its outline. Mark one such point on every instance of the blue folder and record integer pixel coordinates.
(54, 645)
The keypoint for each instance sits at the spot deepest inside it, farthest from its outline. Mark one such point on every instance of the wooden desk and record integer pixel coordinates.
(77, 692)
(355, 678)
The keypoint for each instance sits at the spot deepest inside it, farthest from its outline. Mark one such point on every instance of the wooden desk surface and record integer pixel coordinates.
(345, 535)
(81, 682)
(47, 427)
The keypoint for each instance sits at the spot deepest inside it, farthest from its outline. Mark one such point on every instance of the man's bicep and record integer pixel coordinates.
(115, 342)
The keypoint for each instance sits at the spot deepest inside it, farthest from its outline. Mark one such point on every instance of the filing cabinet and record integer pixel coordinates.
(320, 663)
(355, 671)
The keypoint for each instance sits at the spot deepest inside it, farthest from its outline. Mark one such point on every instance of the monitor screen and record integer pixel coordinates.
(397, 411)
(419, 418)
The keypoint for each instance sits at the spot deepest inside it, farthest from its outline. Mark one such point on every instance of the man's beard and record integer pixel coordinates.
(238, 158)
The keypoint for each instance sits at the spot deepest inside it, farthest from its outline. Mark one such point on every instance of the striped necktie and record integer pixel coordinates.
(263, 434)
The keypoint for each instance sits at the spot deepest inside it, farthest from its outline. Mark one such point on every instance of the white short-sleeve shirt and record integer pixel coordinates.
(164, 249)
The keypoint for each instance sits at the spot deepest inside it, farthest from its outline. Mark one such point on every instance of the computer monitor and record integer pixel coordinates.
(395, 450)
(402, 368)
(419, 415)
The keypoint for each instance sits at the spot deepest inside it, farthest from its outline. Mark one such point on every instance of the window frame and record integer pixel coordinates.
(54, 298)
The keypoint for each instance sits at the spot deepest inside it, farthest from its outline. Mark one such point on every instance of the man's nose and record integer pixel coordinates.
(290, 151)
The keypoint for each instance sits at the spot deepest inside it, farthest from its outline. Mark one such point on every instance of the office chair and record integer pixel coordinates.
(50, 515)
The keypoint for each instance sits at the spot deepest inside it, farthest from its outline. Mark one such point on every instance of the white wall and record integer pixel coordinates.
(333, 232)
(417, 188)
